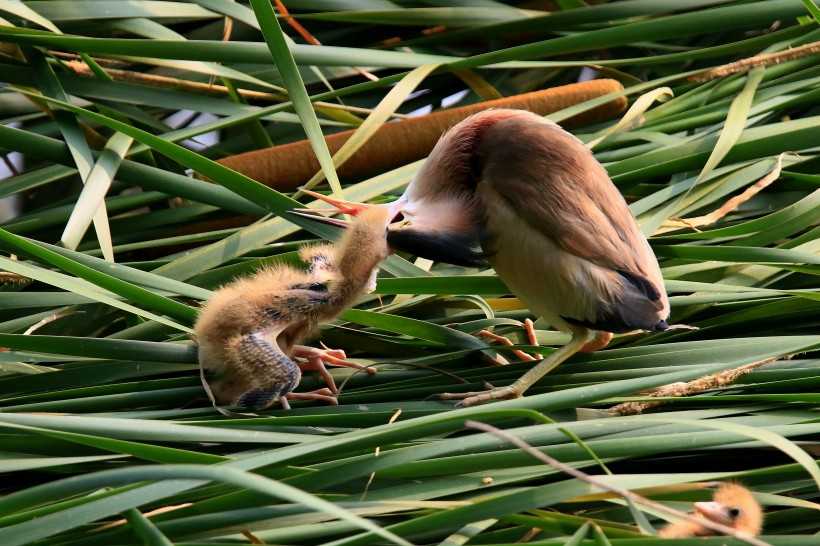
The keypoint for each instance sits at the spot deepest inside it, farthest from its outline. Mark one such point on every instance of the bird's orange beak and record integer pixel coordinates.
(342, 207)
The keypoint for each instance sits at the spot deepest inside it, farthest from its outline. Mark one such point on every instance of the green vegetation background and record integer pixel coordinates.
(102, 415)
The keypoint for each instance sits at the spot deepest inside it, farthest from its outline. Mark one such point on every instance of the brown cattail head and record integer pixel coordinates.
(289, 166)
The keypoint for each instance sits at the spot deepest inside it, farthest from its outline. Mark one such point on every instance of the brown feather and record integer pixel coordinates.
(537, 181)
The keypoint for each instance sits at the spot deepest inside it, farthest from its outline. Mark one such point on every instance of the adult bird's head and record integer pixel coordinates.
(439, 216)
(446, 230)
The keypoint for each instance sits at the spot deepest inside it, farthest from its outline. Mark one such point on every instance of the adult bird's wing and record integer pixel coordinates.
(552, 182)
(556, 185)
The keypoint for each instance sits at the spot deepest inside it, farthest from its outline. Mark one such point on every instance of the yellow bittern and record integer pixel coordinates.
(732, 505)
(516, 190)
(248, 331)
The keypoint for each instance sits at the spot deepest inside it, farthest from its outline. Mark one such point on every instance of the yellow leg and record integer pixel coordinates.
(505, 341)
(532, 337)
(598, 342)
(579, 338)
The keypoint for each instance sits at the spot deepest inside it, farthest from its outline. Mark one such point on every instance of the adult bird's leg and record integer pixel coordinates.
(317, 358)
(505, 341)
(531, 337)
(579, 338)
(598, 342)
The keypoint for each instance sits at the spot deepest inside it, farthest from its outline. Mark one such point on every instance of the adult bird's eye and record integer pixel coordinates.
(734, 513)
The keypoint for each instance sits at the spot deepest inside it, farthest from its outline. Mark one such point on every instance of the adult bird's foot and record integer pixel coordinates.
(531, 337)
(315, 359)
(505, 341)
(472, 398)
(598, 342)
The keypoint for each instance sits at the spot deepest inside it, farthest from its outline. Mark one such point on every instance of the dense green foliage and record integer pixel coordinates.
(102, 415)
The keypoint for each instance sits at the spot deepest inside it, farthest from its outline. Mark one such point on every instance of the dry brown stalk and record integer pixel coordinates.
(208, 89)
(289, 166)
(253, 539)
(679, 390)
(5, 277)
(165, 82)
(51, 318)
(158, 511)
(766, 59)
(310, 38)
(734, 202)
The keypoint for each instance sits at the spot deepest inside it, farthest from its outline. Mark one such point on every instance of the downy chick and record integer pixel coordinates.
(249, 330)
(732, 505)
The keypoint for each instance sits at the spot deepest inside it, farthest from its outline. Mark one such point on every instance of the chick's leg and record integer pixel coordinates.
(315, 359)
(265, 375)
(325, 395)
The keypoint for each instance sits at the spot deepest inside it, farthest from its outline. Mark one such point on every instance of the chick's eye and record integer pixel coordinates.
(734, 513)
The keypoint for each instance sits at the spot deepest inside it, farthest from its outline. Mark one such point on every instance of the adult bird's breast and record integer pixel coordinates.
(565, 241)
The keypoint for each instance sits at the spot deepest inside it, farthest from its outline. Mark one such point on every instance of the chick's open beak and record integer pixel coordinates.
(343, 207)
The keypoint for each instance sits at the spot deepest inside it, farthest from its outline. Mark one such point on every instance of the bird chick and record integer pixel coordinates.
(732, 505)
(249, 330)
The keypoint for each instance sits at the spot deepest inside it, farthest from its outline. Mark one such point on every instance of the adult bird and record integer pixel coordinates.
(516, 190)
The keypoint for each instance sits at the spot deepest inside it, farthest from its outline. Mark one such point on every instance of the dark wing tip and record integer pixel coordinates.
(257, 399)
(642, 284)
(637, 309)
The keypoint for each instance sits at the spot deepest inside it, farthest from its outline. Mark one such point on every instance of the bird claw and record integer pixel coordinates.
(324, 394)
(524, 357)
(315, 360)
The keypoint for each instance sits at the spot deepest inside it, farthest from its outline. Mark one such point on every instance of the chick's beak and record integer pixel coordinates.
(421, 229)
(343, 207)
(714, 511)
